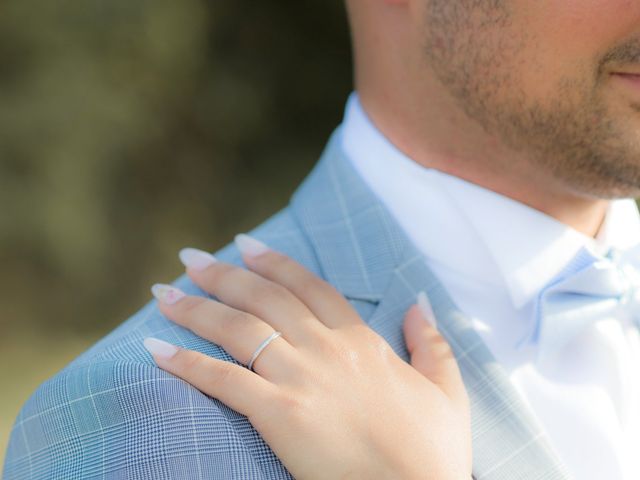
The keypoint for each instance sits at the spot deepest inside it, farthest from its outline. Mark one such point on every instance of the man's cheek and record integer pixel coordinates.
(590, 27)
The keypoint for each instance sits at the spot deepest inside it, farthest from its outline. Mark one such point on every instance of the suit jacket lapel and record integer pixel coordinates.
(365, 254)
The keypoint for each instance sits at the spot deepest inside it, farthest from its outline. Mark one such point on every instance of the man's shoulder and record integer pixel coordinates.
(112, 411)
(280, 231)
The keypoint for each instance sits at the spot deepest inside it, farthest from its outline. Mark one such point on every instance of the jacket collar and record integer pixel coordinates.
(364, 253)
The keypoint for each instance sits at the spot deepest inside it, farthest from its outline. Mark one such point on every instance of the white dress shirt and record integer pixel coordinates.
(494, 255)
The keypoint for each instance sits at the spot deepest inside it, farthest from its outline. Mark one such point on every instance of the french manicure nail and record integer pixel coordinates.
(159, 348)
(196, 259)
(426, 309)
(167, 293)
(249, 245)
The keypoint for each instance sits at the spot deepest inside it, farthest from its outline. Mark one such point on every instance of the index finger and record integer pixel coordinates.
(324, 301)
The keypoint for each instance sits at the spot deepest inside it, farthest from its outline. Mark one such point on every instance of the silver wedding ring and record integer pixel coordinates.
(262, 346)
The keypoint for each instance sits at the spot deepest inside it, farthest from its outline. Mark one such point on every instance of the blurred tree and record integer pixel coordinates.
(132, 128)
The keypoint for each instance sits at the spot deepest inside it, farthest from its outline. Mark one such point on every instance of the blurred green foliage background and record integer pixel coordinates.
(132, 128)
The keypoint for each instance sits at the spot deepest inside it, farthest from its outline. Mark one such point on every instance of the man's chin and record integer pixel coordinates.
(614, 169)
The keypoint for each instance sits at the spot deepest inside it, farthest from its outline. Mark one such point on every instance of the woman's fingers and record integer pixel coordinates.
(329, 306)
(238, 332)
(430, 353)
(236, 386)
(251, 293)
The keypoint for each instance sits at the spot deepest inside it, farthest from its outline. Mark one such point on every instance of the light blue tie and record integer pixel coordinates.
(588, 289)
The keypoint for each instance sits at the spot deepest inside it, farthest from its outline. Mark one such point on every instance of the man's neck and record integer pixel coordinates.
(476, 158)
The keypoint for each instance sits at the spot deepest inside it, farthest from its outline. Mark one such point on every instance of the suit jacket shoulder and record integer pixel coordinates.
(111, 413)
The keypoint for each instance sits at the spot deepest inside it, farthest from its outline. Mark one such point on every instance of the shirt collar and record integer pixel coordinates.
(527, 247)
(530, 247)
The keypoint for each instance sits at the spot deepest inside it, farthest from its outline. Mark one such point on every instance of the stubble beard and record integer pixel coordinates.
(474, 52)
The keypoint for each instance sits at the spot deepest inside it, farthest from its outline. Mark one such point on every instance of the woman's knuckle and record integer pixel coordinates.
(382, 348)
(222, 376)
(269, 292)
(295, 405)
(189, 360)
(191, 307)
(329, 347)
(276, 261)
(441, 345)
(309, 283)
(233, 321)
(223, 273)
(372, 340)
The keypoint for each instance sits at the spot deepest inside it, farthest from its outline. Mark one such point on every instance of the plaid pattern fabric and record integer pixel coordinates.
(111, 413)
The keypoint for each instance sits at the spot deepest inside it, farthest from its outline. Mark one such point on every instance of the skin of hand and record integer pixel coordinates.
(330, 396)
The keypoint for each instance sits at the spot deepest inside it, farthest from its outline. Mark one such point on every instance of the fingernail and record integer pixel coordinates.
(167, 293)
(196, 259)
(426, 310)
(160, 348)
(250, 246)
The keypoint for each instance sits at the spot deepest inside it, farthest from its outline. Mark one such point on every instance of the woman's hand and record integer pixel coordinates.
(329, 396)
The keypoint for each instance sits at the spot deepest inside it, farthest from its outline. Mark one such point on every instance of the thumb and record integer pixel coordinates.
(430, 353)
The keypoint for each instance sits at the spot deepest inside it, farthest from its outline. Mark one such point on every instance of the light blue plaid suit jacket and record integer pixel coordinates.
(111, 413)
